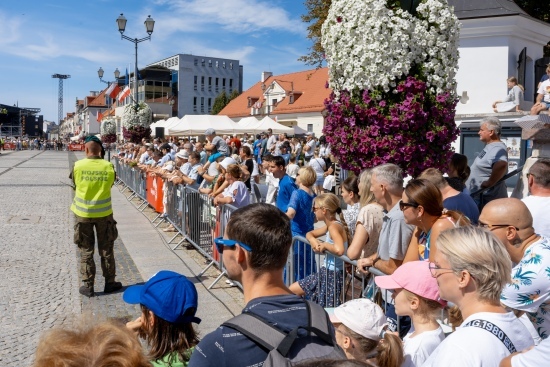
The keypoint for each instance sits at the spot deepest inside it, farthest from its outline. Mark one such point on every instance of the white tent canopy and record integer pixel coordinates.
(247, 122)
(268, 123)
(197, 125)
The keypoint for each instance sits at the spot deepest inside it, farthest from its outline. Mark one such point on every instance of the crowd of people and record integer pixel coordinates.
(482, 262)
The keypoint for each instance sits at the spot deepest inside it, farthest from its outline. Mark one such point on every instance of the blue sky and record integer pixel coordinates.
(39, 38)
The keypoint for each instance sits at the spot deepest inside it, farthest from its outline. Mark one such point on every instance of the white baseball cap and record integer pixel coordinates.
(362, 316)
(227, 161)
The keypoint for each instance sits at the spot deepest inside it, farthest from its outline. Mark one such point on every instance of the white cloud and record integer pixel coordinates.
(238, 16)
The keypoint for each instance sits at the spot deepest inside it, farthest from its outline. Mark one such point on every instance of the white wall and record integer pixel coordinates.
(489, 50)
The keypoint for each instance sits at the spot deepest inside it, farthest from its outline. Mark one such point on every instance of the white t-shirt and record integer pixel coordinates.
(292, 170)
(418, 348)
(239, 193)
(537, 356)
(538, 206)
(474, 347)
(545, 90)
(311, 150)
(272, 188)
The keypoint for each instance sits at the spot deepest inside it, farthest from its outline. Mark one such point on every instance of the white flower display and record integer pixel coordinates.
(143, 117)
(370, 46)
(108, 127)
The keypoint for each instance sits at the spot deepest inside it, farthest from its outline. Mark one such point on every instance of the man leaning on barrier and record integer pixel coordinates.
(93, 178)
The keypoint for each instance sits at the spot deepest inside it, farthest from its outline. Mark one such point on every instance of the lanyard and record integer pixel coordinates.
(496, 331)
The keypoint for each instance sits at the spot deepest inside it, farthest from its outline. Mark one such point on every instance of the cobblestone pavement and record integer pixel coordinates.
(39, 277)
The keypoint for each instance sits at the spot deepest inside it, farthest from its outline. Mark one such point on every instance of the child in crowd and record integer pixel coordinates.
(168, 305)
(325, 287)
(360, 327)
(292, 167)
(236, 192)
(302, 220)
(416, 295)
(350, 195)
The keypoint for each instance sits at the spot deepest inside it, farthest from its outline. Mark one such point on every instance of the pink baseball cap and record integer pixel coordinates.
(414, 276)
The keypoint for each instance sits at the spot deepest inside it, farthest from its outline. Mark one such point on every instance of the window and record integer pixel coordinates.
(210, 63)
(202, 104)
(195, 104)
(210, 84)
(217, 62)
(223, 65)
(202, 83)
(202, 62)
(231, 65)
(309, 128)
(196, 78)
(231, 85)
(223, 83)
(196, 62)
(209, 104)
(217, 83)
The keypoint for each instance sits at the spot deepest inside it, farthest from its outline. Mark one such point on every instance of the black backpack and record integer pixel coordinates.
(318, 344)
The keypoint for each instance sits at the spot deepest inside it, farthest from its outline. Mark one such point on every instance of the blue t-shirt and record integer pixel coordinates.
(304, 219)
(286, 188)
(464, 204)
(227, 347)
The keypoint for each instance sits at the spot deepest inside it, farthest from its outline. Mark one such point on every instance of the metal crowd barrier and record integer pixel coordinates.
(198, 222)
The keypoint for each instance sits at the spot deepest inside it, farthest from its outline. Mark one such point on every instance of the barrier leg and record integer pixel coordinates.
(224, 273)
(206, 269)
(179, 243)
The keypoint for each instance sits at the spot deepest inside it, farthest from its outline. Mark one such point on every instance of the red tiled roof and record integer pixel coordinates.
(99, 100)
(309, 94)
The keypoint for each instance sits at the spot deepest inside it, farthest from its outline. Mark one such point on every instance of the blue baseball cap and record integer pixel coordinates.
(168, 294)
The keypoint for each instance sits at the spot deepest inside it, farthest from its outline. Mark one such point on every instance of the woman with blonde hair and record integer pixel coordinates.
(236, 192)
(102, 345)
(422, 206)
(471, 267)
(369, 221)
(325, 286)
(302, 220)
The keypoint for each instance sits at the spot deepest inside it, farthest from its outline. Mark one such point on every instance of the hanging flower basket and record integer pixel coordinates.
(392, 72)
(136, 122)
(108, 131)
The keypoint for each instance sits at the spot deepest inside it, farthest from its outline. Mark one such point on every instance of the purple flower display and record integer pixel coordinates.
(408, 126)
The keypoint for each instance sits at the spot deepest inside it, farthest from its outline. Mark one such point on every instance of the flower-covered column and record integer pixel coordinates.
(136, 122)
(392, 72)
(108, 131)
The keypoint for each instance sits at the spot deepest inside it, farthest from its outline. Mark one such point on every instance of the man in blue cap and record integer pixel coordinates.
(93, 178)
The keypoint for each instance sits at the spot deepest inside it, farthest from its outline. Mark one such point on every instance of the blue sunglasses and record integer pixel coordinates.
(220, 242)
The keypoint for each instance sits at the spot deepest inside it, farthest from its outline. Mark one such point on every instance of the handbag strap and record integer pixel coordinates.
(495, 330)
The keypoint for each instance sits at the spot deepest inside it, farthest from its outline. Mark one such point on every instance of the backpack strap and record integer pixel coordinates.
(257, 330)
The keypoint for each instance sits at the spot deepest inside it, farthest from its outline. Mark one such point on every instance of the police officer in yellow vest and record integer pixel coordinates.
(93, 178)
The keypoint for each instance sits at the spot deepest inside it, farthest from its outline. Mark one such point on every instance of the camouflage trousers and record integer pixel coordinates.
(84, 238)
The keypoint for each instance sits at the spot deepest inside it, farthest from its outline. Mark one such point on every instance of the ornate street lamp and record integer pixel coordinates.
(101, 72)
(149, 26)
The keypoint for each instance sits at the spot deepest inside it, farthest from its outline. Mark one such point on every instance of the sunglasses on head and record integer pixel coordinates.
(221, 242)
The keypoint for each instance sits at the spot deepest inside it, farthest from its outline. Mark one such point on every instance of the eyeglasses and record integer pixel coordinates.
(220, 242)
(403, 205)
(434, 270)
(490, 227)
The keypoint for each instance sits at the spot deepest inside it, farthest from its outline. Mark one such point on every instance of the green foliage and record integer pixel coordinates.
(223, 100)
(536, 8)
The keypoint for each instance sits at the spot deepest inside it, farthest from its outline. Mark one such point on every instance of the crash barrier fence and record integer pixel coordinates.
(327, 279)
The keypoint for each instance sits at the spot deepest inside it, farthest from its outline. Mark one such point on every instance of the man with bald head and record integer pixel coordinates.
(529, 292)
(93, 178)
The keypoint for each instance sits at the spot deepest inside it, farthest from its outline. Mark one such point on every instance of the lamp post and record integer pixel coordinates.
(100, 74)
(149, 25)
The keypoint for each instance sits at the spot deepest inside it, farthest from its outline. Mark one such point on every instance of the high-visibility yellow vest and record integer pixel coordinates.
(93, 179)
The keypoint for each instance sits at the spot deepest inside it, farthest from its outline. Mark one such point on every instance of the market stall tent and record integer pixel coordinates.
(197, 125)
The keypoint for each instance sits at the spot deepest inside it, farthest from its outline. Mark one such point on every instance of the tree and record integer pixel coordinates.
(316, 15)
(223, 100)
(536, 8)
(317, 11)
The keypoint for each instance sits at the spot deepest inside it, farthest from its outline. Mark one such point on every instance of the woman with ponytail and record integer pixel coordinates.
(360, 327)
(325, 287)
(422, 206)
